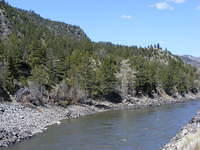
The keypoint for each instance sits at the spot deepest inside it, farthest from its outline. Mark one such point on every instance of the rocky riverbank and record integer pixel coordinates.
(188, 138)
(19, 122)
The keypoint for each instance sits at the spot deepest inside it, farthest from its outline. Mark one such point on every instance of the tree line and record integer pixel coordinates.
(34, 53)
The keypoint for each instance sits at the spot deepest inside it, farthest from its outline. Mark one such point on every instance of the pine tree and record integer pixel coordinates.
(106, 76)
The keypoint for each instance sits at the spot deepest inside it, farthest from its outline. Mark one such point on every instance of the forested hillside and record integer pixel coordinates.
(60, 62)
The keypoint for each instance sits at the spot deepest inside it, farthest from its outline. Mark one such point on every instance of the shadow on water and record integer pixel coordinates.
(146, 129)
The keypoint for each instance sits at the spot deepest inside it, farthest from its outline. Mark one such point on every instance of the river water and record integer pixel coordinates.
(146, 129)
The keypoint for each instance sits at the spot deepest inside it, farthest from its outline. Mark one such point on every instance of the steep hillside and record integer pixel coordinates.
(194, 61)
(43, 61)
(12, 19)
(5, 27)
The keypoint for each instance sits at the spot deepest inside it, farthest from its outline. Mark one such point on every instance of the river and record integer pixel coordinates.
(144, 129)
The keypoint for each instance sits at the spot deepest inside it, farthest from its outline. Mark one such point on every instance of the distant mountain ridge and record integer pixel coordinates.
(194, 61)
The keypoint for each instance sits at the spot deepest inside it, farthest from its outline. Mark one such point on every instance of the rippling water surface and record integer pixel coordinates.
(146, 129)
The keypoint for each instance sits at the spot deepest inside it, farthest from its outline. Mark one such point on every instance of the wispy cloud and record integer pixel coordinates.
(162, 6)
(167, 4)
(128, 17)
(177, 1)
(198, 7)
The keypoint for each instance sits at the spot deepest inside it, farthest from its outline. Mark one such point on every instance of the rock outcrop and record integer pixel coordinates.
(5, 28)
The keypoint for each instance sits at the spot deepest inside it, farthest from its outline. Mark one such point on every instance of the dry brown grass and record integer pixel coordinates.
(190, 142)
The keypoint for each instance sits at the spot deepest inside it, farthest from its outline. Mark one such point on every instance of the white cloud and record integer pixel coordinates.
(126, 17)
(167, 4)
(163, 6)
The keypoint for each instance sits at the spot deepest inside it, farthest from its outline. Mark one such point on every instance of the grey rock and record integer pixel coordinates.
(29, 95)
(4, 25)
(20, 93)
(191, 128)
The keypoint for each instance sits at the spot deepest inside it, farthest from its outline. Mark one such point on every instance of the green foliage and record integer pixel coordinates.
(146, 81)
(37, 50)
(106, 79)
(40, 75)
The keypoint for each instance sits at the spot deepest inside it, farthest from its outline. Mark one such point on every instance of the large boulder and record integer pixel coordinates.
(65, 95)
(28, 95)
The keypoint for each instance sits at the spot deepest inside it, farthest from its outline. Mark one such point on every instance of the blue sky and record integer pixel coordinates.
(175, 24)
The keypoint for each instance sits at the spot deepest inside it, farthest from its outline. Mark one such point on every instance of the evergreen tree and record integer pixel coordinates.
(106, 78)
